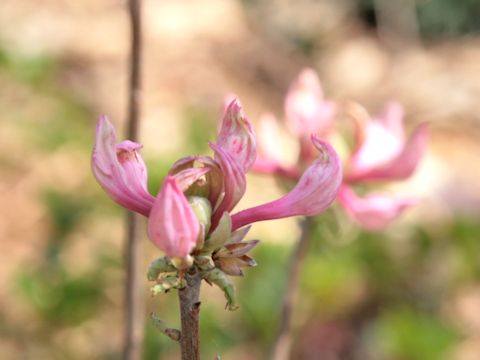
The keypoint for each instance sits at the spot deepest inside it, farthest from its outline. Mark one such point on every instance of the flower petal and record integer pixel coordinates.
(305, 109)
(234, 182)
(120, 170)
(314, 192)
(400, 166)
(172, 225)
(374, 211)
(237, 136)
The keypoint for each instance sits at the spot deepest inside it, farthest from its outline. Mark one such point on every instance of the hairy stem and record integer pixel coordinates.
(134, 299)
(283, 340)
(189, 313)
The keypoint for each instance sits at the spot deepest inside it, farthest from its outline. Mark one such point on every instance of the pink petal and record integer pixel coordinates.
(399, 166)
(374, 211)
(314, 192)
(305, 109)
(237, 136)
(234, 182)
(120, 170)
(172, 225)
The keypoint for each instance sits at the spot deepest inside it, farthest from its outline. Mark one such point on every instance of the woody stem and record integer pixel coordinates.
(189, 313)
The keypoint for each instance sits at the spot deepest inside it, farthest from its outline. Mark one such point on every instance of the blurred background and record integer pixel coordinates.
(412, 292)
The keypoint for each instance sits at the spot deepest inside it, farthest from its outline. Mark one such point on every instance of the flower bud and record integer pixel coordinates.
(173, 225)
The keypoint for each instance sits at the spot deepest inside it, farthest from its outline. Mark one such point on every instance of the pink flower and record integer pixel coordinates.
(172, 224)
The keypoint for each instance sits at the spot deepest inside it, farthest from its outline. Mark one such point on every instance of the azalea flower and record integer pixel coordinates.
(381, 151)
(192, 214)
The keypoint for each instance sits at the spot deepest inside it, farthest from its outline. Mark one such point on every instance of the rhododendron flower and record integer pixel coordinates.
(381, 151)
(197, 197)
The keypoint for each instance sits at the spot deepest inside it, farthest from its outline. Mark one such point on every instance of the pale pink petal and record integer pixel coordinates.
(120, 169)
(374, 211)
(392, 118)
(313, 194)
(269, 139)
(398, 166)
(172, 224)
(234, 182)
(265, 166)
(237, 136)
(305, 108)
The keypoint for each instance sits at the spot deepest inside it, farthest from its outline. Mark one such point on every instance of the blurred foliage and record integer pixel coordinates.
(436, 18)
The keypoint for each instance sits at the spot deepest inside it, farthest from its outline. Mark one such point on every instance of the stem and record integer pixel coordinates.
(283, 340)
(189, 313)
(134, 294)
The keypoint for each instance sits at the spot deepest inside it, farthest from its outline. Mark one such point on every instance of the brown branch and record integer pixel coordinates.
(283, 340)
(134, 302)
(189, 313)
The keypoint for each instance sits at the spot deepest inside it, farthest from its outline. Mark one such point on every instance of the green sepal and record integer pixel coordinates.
(158, 266)
(204, 262)
(219, 236)
(219, 278)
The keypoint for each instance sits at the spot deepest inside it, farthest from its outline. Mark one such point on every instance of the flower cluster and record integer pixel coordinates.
(381, 151)
(190, 219)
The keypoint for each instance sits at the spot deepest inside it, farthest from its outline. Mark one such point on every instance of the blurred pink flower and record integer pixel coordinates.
(373, 211)
(173, 225)
(381, 151)
(306, 110)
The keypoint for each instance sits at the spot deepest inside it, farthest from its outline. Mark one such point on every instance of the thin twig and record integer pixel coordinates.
(134, 302)
(189, 313)
(283, 340)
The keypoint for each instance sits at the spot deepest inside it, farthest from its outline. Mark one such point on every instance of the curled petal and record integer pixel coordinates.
(234, 182)
(237, 136)
(314, 192)
(374, 211)
(213, 185)
(172, 224)
(398, 166)
(120, 170)
(187, 177)
(305, 109)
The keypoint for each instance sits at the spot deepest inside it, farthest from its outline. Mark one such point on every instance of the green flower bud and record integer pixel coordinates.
(202, 209)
